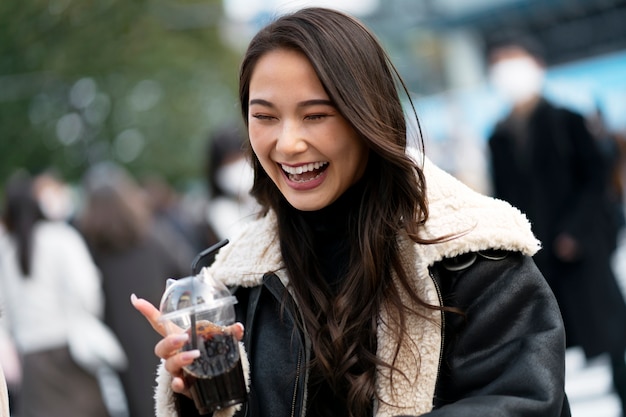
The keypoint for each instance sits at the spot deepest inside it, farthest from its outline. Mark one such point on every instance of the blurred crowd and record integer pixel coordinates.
(70, 250)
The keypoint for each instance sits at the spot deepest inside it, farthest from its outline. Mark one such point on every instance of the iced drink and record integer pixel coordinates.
(216, 377)
(202, 307)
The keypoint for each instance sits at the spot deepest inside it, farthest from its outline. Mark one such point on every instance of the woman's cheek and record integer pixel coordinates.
(260, 137)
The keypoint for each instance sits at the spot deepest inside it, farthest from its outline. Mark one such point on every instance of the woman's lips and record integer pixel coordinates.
(304, 173)
(306, 176)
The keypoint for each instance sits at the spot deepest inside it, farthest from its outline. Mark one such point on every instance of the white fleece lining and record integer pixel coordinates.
(418, 358)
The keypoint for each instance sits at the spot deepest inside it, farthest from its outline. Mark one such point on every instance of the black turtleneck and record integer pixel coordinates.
(331, 226)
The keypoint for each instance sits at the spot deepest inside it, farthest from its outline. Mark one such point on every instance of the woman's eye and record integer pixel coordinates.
(315, 116)
(262, 116)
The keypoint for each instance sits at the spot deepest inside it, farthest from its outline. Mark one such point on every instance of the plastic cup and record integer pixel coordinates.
(202, 308)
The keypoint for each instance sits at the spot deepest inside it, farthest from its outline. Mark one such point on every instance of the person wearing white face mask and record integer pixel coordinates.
(545, 161)
(54, 197)
(518, 76)
(230, 178)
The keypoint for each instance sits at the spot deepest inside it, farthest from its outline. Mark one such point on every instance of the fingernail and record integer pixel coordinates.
(240, 326)
(191, 354)
(133, 298)
(181, 337)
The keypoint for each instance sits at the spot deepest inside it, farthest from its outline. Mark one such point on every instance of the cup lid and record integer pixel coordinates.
(193, 294)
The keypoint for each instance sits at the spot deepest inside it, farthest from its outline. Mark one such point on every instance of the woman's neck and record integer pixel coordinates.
(331, 227)
(335, 215)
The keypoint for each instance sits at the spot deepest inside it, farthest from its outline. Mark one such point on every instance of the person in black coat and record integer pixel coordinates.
(545, 161)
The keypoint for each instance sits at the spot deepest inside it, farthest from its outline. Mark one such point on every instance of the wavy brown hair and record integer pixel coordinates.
(20, 215)
(363, 84)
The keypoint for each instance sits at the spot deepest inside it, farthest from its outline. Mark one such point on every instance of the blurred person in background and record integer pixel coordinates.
(46, 276)
(545, 161)
(613, 148)
(10, 364)
(171, 221)
(6, 359)
(54, 196)
(118, 227)
(4, 396)
(230, 178)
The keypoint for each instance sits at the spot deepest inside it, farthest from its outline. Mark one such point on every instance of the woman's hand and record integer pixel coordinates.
(169, 348)
(150, 312)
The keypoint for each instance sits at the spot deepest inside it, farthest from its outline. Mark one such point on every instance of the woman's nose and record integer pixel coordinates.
(291, 139)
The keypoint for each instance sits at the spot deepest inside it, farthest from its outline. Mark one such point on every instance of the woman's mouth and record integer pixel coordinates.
(304, 173)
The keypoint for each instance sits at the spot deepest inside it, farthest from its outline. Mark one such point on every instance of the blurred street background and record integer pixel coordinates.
(146, 84)
(137, 82)
(588, 383)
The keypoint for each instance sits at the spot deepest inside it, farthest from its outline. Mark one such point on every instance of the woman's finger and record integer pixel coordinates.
(169, 349)
(178, 386)
(236, 330)
(174, 364)
(170, 345)
(150, 312)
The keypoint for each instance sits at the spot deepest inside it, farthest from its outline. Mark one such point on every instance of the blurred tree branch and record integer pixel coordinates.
(77, 76)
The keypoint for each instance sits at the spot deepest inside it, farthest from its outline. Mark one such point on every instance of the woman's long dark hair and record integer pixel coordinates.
(21, 213)
(361, 81)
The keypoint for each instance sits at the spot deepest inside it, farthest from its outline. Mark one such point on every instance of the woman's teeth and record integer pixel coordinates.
(304, 173)
(303, 168)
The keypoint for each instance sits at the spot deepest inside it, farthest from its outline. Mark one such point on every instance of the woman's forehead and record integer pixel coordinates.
(285, 74)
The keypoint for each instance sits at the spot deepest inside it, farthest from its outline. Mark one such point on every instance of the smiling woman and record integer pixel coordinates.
(363, 250)
(304, 144)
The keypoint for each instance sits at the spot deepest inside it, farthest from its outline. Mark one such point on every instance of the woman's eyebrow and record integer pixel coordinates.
(316, 102)
(261, 102)
(306, 103)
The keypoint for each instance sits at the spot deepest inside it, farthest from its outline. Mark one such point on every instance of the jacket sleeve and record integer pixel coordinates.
(505, 354)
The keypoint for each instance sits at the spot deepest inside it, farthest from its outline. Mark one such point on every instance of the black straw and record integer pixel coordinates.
(211, 251)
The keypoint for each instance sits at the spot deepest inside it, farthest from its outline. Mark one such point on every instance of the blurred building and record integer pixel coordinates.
(439, 48)
(451, 30)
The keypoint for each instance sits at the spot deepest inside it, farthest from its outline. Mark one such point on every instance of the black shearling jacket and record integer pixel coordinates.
(504, 356)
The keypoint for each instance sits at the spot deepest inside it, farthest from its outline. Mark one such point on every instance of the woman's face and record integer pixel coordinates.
(305, 145)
